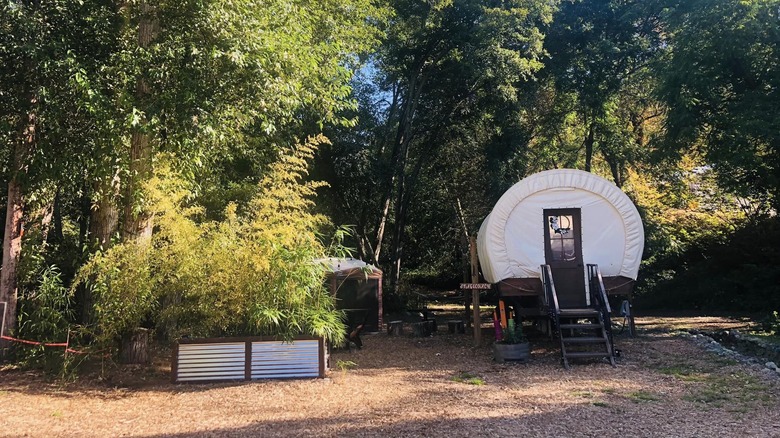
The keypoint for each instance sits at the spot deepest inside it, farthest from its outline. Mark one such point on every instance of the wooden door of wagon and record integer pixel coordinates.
(563, 252)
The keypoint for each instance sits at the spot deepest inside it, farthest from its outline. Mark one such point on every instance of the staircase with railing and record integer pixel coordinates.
(584, 332)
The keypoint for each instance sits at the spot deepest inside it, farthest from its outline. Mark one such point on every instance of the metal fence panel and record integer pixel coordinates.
(222, 359)
(215, 361)
(273, 360)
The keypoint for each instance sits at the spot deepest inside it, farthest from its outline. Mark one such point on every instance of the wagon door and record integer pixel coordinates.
(563, 252)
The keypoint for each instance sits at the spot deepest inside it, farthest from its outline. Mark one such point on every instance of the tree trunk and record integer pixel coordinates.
(85, 211)
(396, 250)
(46, 214)
(138, 218)
(14, 227)
(403, 139)
(614, 167)
(104, 215)
(589, 140)
(12, 249)
(57, 234)
(103, 224)
(135, 347)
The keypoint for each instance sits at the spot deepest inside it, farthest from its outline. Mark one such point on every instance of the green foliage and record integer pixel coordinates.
(461, 100)
(734, 268)
(45, 315)
(771, 324)
(721, 82)
(513, 333)
(345, 365)
(249, 275)
(442, 90)
(593, 103)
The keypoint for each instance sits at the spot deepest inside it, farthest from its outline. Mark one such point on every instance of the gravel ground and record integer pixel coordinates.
(664, 386)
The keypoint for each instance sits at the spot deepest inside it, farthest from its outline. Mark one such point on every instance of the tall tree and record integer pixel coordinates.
(444, 63)
(594, 96)
(203, 78)
(721, 82)
(41, 43)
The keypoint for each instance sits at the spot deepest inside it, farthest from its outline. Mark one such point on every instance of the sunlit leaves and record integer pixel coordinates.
(250, 274)
(721, 81)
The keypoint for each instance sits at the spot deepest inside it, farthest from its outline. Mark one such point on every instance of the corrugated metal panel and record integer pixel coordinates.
(278, 360)
(216, 361)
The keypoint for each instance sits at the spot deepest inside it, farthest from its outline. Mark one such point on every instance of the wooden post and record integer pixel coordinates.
(248, 360)
(135, 347)
(420, 329)
(65, 354)
(466, 303)
(2, 325)
(475, 292)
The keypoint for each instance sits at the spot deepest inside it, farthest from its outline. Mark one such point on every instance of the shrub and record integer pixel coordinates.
(44, 316)
(249, 275)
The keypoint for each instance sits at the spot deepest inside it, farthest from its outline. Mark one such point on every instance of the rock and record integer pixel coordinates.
(771, 366)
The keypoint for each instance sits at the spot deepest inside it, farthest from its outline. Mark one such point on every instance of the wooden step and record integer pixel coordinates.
(583, 354)
(574, 313)
(585, 340)
(590, 326)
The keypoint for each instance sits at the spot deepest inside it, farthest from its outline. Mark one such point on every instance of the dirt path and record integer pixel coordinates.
(664, 385)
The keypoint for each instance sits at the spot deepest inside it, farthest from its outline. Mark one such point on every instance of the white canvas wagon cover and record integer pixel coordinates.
(510, 242)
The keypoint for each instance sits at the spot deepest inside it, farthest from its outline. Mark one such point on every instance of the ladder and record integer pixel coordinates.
(584, 332)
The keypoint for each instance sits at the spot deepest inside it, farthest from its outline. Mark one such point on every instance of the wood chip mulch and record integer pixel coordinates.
(664, 386)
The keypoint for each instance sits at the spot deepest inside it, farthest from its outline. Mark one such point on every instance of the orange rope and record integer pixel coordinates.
(25, 341)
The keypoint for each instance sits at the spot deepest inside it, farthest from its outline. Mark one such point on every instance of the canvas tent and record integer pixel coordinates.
(564, 218)
(357, 287)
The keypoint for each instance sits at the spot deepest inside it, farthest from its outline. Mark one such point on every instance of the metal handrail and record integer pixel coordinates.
(549, 287)
(596, 281)
(553, 308)
(594, 276)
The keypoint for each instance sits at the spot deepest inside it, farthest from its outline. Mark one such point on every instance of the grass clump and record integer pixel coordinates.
(468, 378)
(737, 390)
(683, 372)
(644, 396)
(345, 365)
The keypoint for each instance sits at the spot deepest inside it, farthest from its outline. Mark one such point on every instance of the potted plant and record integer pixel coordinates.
(514, 346)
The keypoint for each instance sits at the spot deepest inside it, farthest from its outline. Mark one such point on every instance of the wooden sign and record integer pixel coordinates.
(481, 286)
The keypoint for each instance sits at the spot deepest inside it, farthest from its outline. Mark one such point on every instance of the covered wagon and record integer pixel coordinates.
(558, 244)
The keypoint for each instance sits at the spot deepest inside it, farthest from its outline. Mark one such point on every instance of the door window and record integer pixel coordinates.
(561, 234)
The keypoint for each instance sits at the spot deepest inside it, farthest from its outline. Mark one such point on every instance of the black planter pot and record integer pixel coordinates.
(511, 352)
